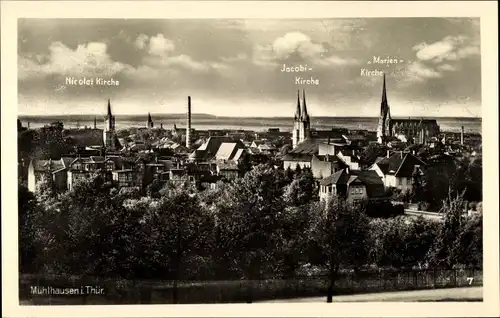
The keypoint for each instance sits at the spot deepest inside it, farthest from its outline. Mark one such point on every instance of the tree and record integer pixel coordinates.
(182, 233)
(441, 253)
(418, 186)
(29, 214)
(298, 169)
(401, 242)
(248, 218)
(153, 189)
(371, 153)
(295, 222)
(341, 232)
(288, 175)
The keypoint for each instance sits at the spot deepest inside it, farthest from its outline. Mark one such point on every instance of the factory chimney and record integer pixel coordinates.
(188, 128)
(462, 136)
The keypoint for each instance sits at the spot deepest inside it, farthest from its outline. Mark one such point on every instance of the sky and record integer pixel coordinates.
(234, 67)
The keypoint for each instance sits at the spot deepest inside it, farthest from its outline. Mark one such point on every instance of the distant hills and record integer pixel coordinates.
(89, 117)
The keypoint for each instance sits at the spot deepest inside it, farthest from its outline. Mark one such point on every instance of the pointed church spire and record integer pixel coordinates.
(305, 115)
(297, 112)
(384, 96)
(109, 107)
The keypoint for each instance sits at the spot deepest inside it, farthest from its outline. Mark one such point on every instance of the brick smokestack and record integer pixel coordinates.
(188, 129)
(462, 136)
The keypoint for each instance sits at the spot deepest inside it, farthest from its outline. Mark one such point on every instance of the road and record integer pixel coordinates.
(445, 294)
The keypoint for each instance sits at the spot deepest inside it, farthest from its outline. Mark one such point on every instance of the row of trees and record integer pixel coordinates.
(264, 225)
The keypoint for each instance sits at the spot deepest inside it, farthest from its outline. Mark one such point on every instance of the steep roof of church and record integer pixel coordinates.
(109, 109)
(297, 112)
(305, 115)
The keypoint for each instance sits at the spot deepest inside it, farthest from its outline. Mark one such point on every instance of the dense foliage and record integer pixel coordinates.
(267, 224)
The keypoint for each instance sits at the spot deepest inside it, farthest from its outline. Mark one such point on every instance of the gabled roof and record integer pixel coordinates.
(399, 164)
(238, 155)
(97, 158)
(308, 147)
(226, 151)
(373, 183)
(258, 142)
(66, 161)
(47, 165)
(266, 147)
(297, 157)
(339, 177)
(228, 165)
(212, 145)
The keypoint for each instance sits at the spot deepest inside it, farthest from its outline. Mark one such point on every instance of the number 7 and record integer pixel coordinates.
(470, 279)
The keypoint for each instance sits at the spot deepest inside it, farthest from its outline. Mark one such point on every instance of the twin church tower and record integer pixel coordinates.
(302, 122)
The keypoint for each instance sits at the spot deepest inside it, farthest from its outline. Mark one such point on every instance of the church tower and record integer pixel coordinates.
(109, 130)
(302, 122)
(306, 121)
(150, 121)
(296, 123)
(384, 128)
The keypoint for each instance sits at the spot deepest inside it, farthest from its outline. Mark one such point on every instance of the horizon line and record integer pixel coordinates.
(222, 116)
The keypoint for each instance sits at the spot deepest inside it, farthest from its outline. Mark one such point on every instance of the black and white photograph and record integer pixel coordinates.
(249, 160)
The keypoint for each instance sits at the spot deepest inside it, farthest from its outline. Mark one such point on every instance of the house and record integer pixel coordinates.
(353, 185)
(301, 155)
(304, 152)
(210, 147)
(349, 157)
(124, 178)
(227, 151)
(228, 170)
(396, 170)
(56, 170)
(323, 166)
(257, 143)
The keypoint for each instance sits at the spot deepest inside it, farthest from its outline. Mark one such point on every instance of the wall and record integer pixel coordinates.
(326, 192)
(322, 169)
(31, 178)
(60, 179)
(357, 192)
(326, 149)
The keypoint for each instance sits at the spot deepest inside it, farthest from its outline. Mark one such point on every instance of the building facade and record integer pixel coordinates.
(397, 170)
(409, 130)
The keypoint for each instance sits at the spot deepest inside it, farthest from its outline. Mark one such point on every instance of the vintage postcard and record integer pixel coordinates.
(240, 160)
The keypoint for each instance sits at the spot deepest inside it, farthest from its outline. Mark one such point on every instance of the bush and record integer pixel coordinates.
(473, 206)
(384, 209)
(423, 206)
(479, 207)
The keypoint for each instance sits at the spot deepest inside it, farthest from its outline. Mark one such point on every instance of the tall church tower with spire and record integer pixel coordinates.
(109, 133)
(150, 123)
(302, 122)
(384, 128)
